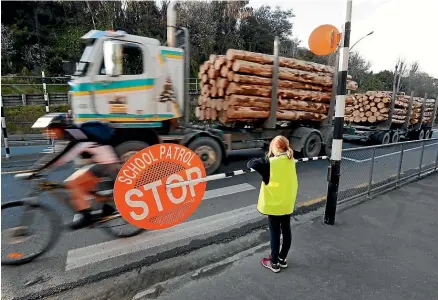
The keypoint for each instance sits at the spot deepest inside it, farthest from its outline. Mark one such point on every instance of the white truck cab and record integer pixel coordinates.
(130, 81)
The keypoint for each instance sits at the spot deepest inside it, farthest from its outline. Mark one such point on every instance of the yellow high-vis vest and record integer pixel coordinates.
(278, 197)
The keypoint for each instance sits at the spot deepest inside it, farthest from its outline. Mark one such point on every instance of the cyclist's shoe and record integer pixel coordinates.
(85, 220)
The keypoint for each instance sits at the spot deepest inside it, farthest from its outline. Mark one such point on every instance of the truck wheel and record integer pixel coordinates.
(427, 134)
(127, 149)
(209, 151)
(421, 134)
(312, 145)
(395, 138)
(384, 138)
(430, 133)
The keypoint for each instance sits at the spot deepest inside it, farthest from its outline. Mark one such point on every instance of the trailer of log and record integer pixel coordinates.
(238, 86)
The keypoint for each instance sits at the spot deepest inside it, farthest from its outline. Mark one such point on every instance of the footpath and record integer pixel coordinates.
(385, 248)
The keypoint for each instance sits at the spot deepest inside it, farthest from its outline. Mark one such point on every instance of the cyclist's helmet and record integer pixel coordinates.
(54, 125)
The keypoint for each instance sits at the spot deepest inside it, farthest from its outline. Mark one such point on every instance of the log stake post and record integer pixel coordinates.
(423, 107)
(394, 97)
(408, 116)
(341, 91)
(271, 122)
(432, 121)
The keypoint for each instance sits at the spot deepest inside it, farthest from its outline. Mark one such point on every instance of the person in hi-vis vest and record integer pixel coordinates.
(277, 196)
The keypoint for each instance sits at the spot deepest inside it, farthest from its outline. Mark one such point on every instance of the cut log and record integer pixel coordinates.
(363, 119)
(283, 62)
(381, 105)
(374, 109)
(356, 113)
(218, 63)
(254, 101)
(372, 119)
(368, 113)
(384, 110)
(357, 119)
(224, 71)
(362, 114)
(213, 74)
(220, 92)
(204, 78)
(238, 112)
(256, 80)
(212, 58)
(376, 114)
(245, 67)
(213, 114)
(386, 100)
(263, 91)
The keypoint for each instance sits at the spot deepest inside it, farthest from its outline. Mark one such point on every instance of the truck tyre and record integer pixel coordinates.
(395, 137)
(384, 138)
(427, 134)
(430, 134)
(421, 134)
(312, 146)
(209, 151)
(127, 149)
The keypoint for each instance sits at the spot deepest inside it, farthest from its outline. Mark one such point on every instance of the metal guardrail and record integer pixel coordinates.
(370, 171)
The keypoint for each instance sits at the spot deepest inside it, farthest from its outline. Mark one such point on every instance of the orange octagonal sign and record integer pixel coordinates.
(140, 191)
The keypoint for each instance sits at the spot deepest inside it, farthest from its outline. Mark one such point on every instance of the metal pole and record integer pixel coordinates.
(186, 76)
(400, 164)
(370, 181)
(341, 91)
(271, 122)
(436, 161)
(4, 130)
(46, 97)
(421, 160)
(394, 97)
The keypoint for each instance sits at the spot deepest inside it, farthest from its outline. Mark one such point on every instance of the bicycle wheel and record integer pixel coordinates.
(20, 244)
(118, 227)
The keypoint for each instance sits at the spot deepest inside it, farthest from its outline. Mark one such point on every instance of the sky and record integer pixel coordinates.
(402, 28)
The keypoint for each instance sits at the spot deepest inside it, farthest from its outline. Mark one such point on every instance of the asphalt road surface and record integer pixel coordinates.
(227, 204)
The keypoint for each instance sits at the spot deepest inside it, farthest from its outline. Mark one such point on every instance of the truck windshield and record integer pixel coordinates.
(85, 60)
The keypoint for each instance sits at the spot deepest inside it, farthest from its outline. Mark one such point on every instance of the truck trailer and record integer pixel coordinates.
(120, 77)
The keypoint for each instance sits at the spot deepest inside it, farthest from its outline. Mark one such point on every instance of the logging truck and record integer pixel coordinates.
(141, 88)
(386, 117)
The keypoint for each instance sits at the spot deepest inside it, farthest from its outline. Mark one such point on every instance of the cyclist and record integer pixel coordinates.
(90, 142)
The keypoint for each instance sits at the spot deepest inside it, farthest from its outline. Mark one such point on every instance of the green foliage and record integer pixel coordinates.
(19, 119)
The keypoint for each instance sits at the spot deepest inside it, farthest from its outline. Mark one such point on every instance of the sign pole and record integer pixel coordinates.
(341, 91)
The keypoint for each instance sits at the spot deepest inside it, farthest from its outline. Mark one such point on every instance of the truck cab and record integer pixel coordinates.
(130, 81)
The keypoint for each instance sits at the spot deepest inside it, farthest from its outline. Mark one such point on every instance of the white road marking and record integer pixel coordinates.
(385, 155)
(229, 190)
(186, 231)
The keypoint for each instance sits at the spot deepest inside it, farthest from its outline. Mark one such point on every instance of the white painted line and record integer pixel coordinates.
(99, 252)
(228, 190)
(386, 155)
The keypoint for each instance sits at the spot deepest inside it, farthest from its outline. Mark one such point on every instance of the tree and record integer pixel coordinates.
(358, 68)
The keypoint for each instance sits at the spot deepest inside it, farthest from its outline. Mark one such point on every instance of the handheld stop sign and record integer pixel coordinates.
(140, 191)
(324, 40)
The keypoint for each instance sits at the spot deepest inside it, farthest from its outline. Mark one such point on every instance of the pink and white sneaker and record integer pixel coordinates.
(267, 263)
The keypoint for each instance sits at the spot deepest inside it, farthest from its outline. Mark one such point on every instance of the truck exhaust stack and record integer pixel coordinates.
(171, 24)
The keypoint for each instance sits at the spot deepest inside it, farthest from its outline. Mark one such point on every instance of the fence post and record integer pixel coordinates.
(23, 99)
(370, 181)
(400, 164)
(4, 130)
(46, 97)
(436, 161)
(421, 160)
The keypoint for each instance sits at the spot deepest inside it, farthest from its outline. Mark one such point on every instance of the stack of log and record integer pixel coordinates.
(238, 85)
(428, 111)
(373, 107)
(416, 111)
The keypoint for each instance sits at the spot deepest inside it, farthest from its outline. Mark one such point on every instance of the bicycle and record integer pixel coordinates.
(31, 205)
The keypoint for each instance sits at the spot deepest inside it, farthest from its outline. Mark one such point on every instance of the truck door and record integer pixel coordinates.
(126, 99)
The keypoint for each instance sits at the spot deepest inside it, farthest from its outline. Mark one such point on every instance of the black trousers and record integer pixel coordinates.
(279, 225)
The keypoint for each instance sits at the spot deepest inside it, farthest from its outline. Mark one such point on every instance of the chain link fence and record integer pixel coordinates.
(369, 171)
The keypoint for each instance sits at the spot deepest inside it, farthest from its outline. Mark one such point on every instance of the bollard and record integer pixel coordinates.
(4, 130)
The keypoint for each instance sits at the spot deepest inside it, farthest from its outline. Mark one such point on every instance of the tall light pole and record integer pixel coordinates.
(370, 33)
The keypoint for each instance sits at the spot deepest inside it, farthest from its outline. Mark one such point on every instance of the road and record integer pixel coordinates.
(228, 204)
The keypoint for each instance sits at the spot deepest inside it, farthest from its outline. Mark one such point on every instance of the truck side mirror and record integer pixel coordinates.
(113, 58)
(68, 67)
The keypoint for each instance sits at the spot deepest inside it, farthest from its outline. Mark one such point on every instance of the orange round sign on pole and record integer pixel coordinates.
(140, 191)
(324, 40)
